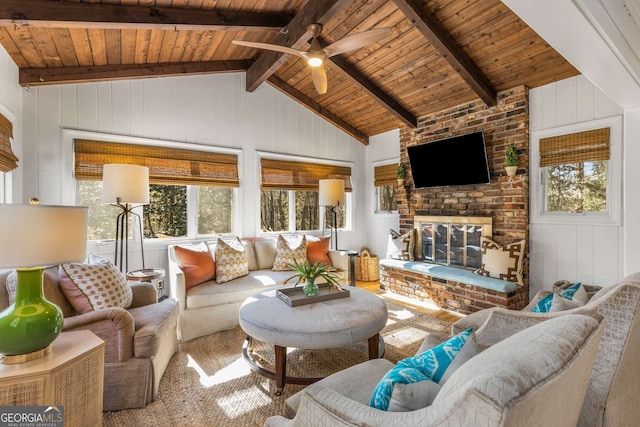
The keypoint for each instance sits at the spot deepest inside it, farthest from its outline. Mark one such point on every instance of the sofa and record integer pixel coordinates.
(139, 340)
(211, 307)
(538, 376)
(614, 387)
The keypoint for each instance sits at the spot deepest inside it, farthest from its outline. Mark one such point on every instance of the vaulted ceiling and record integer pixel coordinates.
(440, 53)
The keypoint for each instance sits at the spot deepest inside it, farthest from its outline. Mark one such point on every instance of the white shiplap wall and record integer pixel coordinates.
(587, 253)
(383, 148)
(211, 110)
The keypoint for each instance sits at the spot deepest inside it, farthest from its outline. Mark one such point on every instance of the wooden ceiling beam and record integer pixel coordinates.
(51, 76)
(450, 50)
(349, 72)
(313, 106)
(67, 14)
(294, 35)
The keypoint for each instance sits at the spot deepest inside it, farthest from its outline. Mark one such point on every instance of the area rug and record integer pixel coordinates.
(208, 383)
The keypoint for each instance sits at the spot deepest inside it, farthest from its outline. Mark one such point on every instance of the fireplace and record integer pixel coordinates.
(451, 240)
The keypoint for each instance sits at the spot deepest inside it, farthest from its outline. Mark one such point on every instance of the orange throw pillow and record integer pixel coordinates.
(318, 250)
(196, 264)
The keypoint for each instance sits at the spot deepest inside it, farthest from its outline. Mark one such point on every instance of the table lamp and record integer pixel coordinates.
(331, 194)
(34, 237)
(126, 187)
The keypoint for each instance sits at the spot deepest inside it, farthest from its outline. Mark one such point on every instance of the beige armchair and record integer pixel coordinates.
(139, 341)
(614, 387)
(538, 376)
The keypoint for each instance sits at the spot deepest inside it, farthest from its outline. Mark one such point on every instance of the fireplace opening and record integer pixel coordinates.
(451, 240)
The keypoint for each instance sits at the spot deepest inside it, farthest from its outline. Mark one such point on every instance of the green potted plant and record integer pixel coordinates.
(401, 173)
(511, 159)
(307, 274)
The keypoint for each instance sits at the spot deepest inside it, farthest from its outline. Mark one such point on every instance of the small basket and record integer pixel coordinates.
(366, 266)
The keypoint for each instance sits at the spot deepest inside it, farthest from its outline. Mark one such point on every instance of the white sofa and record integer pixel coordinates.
(211, 307)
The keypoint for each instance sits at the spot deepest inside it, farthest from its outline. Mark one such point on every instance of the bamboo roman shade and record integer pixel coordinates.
(384, 175)
(286, 175)
(577, 147)
(166, 165)
(8, 160)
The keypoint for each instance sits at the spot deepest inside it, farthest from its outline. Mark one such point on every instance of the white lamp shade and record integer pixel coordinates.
(125, 184)
(38, 236)
(331, 192)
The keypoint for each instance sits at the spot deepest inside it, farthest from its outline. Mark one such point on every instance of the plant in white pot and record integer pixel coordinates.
(401, 173)
(511, 159)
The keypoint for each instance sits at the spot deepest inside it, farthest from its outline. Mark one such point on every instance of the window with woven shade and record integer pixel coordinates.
(576, 171)
(289, 195)
(8, 160)
(384, 180)
(170, 166)
(184, 183)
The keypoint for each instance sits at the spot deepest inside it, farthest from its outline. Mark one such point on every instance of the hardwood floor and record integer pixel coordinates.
(418, 305)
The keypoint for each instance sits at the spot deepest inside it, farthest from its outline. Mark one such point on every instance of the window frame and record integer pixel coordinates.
(613, 214)
(69, 184)
(348, 195)
(376, 192)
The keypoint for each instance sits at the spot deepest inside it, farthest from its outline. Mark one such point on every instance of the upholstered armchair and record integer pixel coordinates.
(538, 376)
(139, 341)
(614, 387)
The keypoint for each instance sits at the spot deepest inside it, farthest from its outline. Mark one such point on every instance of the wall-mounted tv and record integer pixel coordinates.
(460, 160)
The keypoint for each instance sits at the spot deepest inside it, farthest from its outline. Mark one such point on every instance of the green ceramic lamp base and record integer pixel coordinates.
(31, 323)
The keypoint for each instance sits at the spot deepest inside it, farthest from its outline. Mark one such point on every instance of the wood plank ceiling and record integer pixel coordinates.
(441, 53)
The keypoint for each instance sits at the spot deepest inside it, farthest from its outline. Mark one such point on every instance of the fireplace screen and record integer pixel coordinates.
(452, 243)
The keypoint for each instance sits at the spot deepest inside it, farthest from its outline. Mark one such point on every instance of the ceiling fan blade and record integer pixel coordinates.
(268, 46)
(319, 75)
(356, 41)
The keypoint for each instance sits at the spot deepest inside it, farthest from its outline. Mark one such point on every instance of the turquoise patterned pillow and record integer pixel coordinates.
(429, 365)
(573, 292)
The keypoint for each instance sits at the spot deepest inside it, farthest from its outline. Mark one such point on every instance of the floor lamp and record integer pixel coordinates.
(126, 187)
(331, 195)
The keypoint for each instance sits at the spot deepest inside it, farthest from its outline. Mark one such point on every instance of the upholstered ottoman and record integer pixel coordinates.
(327, 324)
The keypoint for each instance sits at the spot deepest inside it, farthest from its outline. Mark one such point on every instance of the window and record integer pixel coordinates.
(385, 183)
(183, 184)
(580, 176)
(289, 195)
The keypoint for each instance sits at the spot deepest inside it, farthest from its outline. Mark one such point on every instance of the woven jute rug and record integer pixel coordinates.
(208, 383)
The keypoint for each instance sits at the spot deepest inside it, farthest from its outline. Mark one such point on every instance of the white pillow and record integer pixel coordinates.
(410, 397)
(401, 247)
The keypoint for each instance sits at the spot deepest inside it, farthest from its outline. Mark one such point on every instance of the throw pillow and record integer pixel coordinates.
(286, 253)
(414, 396)
(196, 263)
(430, 365)
(572, 297)
(318, 250)
(231, 261)
(401, 246)
(94, 285)
(502, 262)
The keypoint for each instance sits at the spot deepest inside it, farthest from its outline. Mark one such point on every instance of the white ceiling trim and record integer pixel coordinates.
(585, 34)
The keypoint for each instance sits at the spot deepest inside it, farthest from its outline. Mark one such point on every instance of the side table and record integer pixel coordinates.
(150, 275)
(71, 376)
(352, 266)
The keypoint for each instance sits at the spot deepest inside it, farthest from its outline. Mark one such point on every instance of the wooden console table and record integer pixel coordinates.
(72, 376)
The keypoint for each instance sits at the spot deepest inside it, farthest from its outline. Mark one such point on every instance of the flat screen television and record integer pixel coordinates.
(459, 160)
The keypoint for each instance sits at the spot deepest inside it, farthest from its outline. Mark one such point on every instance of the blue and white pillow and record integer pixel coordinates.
(430, 365)
(572, 297)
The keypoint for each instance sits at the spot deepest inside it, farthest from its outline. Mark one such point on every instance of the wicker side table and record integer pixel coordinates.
(72, 376)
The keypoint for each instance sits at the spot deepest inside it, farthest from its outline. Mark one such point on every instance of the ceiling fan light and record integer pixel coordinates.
(315, 61)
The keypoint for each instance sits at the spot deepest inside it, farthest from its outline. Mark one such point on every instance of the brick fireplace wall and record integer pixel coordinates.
(505, 199)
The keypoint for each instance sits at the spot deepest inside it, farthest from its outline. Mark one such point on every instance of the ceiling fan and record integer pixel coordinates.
(316, 55)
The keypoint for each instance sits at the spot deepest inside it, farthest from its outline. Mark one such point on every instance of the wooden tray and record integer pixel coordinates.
(295, 297)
